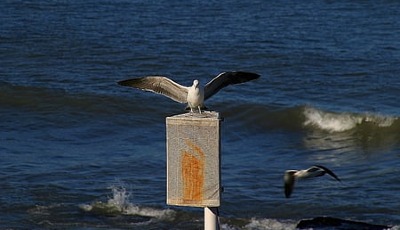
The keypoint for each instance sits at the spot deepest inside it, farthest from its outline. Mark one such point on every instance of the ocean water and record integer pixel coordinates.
(77, 151)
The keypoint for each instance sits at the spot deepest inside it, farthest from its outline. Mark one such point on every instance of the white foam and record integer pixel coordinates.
(119, 203)
(330, 121)
(262, 224)
(381, 121)
(163, 214)
(340, 122)
(120, 198)
(86, 207)
(227, 227)
(269, 224)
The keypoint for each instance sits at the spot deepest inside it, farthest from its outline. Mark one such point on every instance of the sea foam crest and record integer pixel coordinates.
(262, 224)
(335, 122)
(269, 224)
(119, 204)
(339, 122)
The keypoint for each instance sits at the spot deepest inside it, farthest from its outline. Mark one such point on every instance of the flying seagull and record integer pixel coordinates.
(193, 95)
(314, 171)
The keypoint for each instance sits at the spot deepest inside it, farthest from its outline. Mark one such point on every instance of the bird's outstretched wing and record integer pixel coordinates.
(328, 171)
(227, 78)
(289, 180)
(159, 84)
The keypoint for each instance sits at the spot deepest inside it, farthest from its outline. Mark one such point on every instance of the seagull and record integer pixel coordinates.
(314, 171)
(193, 95)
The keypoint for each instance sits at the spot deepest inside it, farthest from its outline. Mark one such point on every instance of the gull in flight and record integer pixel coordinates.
(315, 171)
(193, 95)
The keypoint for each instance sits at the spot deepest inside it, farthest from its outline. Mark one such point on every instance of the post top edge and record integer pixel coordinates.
(204, 114)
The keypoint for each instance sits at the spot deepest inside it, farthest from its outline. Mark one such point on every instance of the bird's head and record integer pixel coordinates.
(196, 83)
(291, 172)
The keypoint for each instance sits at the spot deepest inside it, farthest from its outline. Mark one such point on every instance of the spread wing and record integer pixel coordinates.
(328, 171)
(289, 183)
(160, 85)
(227, 78)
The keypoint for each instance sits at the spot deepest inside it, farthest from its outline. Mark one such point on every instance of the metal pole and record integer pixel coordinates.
(211, 219)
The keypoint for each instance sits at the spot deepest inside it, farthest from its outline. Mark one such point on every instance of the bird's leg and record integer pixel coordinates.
(199, 109)
(191, 110)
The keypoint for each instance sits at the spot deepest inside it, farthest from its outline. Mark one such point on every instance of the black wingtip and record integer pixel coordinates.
(123, 82)
(248, 75)
(330, 172)
(129, 82)
(287, 195)
(237, 77)
(288, 192)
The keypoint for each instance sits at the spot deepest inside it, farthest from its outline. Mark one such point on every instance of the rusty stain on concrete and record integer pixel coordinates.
(193, 161)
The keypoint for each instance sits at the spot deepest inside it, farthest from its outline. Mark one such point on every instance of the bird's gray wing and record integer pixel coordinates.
(328, 171)
(159, 84)
(289, 183)
(227, 78)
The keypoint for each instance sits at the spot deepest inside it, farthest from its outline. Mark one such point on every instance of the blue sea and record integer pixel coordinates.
(78, 151)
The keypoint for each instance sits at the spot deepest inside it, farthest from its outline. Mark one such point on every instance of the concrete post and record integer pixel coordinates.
(193, 162)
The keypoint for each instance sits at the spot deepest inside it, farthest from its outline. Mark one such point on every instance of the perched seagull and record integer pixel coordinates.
(314, 171)
(193, 95)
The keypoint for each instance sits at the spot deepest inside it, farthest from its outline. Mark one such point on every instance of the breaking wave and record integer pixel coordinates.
(119, 204)
(269, 224)
(309, 117)
(340, 122)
